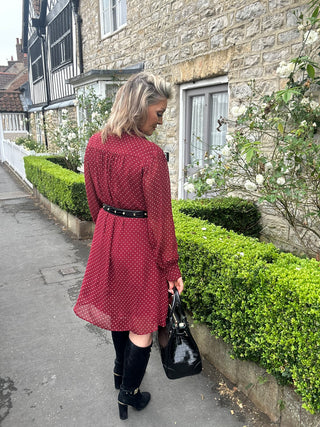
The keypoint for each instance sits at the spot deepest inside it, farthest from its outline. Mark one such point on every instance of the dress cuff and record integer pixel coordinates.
(172, 272)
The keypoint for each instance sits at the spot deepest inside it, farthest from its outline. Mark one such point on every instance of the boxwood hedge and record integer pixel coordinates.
(264, 303)
(58, 184)
(232, 213)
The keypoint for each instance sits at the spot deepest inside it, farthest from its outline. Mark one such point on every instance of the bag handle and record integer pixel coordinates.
(176, 308)
(175, 299)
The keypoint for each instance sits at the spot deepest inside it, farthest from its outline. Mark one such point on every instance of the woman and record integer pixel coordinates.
(134, 254)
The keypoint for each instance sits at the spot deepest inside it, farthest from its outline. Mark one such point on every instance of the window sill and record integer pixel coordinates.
(109, 35)
(62, 65)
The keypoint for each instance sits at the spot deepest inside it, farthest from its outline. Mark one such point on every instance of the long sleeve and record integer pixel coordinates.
(156, 187)
(94, 202)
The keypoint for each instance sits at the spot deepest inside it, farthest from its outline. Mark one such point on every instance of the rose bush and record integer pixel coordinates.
(70, 138)
(273, 152)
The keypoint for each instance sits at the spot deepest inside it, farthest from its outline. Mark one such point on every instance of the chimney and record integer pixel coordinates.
(20, 56)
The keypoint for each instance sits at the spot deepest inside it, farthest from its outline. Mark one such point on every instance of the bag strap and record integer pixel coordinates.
(176, 309)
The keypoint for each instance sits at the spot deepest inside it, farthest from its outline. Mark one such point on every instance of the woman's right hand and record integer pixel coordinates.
(176, 283)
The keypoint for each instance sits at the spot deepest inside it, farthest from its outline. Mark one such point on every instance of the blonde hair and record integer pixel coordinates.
(130, 108)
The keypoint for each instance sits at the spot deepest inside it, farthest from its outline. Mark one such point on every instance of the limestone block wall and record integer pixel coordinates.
(50, 120)
(191, 40)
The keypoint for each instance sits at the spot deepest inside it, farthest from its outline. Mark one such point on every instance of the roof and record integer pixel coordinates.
(97, 75)
(6, 79)
(18, 81)
(10, 102)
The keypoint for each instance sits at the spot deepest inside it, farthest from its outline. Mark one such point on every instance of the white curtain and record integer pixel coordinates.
(219, 109)
(196, 137)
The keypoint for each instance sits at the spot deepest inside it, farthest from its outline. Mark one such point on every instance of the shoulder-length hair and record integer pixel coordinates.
(130, 109)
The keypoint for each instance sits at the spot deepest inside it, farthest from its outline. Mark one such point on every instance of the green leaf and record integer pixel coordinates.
(249, 154)
(287, 95)
(315, 12)
(280, 128)
(311, 71)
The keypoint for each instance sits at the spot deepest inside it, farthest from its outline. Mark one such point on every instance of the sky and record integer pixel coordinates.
(10, 28)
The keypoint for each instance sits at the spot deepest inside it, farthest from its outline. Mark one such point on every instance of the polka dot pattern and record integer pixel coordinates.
(131, 259)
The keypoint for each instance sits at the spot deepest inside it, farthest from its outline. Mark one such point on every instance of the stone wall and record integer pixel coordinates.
(51, 122)
(191, 40)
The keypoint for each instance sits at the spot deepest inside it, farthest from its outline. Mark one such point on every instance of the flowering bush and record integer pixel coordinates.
(69, 137)
(30, 144)
(273, 153)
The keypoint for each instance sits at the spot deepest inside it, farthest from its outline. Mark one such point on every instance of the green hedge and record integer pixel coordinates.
(232, 213)
(59, 185)
(266, 304)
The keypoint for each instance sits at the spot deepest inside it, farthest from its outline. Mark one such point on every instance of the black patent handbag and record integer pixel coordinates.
(180, 355)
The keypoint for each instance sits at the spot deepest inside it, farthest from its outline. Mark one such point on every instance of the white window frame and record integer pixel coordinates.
(112, 13)
(184, 88)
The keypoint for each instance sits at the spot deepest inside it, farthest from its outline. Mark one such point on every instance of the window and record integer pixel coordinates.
(204, 103)
(60, 33)
(113, 15)
(36, 61)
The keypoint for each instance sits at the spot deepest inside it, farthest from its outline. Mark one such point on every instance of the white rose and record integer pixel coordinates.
(268, 166)
(210, 181)
(281, 181)
(226, 152)
(310, 37)
(285, 69)
(259, 179)
(314, 105)
(238, 111)
(189, 187)
(305, 101)
(250, 186)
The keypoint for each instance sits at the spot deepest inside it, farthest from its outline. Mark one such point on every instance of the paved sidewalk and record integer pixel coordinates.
(55, 369)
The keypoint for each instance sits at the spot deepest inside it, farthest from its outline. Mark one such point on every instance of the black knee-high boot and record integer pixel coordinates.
(135, 364)
(119, 341)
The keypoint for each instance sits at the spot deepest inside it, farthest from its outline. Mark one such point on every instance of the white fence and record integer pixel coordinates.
(13, 155)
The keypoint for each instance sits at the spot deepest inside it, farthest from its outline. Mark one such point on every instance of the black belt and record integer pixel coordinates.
(125, 212)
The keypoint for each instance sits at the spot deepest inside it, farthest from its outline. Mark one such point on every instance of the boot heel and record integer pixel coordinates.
(123, 411)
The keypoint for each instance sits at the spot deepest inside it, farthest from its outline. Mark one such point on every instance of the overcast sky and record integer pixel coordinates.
(10, 28)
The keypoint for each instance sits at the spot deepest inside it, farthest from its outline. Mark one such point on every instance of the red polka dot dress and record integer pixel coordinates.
(125, 283)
